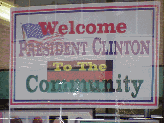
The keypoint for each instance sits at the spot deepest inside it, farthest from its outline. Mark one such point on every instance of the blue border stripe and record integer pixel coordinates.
(151, 100)
(85, 100)
(152, 54)
(27, 13)
(14, 53)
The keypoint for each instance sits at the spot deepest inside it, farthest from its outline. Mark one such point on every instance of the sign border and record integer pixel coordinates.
(154, 99)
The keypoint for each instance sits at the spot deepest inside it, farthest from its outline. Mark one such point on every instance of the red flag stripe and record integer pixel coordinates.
(73, 75)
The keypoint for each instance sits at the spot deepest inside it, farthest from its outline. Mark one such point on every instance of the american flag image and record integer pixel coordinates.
(32, 31)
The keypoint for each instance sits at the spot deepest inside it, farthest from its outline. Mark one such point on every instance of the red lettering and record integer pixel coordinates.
(121, 26)
(106, 28)
(78, 30)
(93, 28)
(71, 27)
(49, 28)
(62, 28)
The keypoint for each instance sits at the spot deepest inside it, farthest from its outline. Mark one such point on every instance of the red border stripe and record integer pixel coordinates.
(79, 8)
(154, 104)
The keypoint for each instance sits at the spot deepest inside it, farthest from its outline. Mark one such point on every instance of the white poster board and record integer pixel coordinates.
(85, 55)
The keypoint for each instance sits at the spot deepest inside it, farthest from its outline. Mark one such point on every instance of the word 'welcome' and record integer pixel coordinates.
(81, 28)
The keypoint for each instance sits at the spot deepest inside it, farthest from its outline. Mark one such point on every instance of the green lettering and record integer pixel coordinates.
(28, 83)
(72, 86)
(84, 85)
(119, 84)
(41, 86)
(53, 82)
(135, 87)
(126, 81)
(65, 89)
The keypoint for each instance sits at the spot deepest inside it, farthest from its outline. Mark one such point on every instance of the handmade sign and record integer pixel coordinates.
(91, 55)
